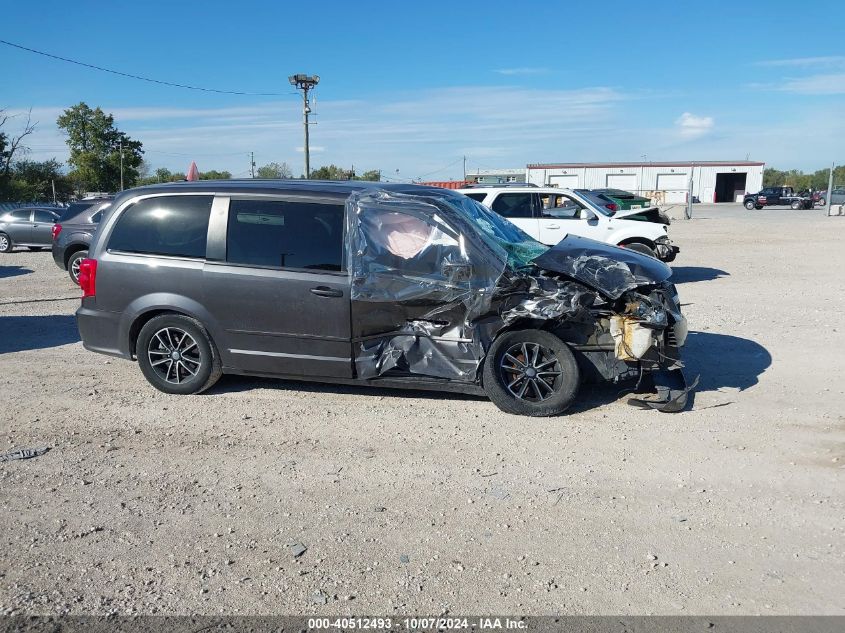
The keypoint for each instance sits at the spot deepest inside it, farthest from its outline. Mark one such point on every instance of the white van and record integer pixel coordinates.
(548, 214)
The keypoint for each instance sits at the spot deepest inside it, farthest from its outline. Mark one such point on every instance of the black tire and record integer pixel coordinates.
(160, 338)
(759, 207)
(73, 265)
(6, 244)
(796, 204)
(501, 374)
(750, 205)
(822, 201)
(645, 249)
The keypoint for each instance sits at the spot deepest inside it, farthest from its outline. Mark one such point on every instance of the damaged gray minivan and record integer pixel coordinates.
(375, 284)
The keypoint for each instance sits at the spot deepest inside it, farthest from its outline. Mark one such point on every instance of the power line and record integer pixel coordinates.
(442, 168)
(131, 76)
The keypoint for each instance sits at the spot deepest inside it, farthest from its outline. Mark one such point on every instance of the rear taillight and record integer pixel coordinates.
(612, 206)
(57, 228)
(88, 277)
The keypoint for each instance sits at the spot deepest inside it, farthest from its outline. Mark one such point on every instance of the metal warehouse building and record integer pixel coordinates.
(663, 182)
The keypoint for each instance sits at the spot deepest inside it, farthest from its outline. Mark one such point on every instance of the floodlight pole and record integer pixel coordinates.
(305, 83)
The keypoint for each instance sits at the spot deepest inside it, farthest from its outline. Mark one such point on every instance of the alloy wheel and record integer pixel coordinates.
(530, 372)
(174, 355)
(74, 268)
(4, 242)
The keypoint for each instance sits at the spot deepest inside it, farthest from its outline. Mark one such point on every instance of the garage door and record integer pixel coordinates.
(628, 182)
(566, 181)
(675, 187)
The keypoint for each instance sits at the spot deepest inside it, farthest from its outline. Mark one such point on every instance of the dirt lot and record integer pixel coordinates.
(419, 503)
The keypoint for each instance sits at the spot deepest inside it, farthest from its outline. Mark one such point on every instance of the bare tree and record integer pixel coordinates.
(9, 145)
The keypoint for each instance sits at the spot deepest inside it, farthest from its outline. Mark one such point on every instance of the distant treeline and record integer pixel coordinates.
(798, 180)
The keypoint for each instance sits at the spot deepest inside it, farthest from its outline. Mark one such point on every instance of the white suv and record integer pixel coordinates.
(548, 214)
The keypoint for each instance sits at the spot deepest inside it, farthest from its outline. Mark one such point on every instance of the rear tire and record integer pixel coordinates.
(73, 265)
(176, 355)
(531, 372)
(822, 201)
(645, 249)
(795, 205)
(6, 244)
(749, 205)
(759, 207)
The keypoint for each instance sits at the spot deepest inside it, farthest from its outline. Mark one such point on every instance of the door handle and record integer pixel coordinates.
(553, 226)
(325, 291)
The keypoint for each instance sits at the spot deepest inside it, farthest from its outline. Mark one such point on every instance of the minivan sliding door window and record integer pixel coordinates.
(285, 234)
(164, 225)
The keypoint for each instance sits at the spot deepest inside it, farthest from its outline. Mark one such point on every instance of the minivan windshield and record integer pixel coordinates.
(498, 232)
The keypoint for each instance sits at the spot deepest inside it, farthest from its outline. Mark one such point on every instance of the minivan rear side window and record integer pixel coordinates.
(478, 197)
(164, 225)
(285, 234)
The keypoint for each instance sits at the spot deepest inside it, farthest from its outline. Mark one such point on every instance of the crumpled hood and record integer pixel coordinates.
(650, 214)
(609, 269)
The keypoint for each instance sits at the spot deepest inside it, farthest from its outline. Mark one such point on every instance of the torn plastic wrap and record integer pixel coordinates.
(415, 290)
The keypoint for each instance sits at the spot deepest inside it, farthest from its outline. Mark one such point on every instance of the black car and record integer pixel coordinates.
(30, 226)
(72, 236)
(371, 284)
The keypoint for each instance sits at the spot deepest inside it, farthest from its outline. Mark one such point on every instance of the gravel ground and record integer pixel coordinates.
(421, 503)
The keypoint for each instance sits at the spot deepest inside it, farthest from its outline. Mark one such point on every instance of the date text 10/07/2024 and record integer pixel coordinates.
(416, 624)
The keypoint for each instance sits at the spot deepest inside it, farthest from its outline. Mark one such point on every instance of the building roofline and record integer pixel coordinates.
(681, 163)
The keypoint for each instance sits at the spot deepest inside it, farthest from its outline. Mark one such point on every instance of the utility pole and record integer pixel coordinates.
(305, 83)
(465, 168)
(252, 163)
(121, 164)
(53, 181)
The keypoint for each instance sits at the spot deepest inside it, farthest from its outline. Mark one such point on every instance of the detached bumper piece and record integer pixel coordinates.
(672, 392)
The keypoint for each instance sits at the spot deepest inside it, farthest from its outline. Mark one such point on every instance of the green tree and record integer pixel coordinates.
(214, 175)
(275, 170)
(333, 172)
(797, 179)
(32, 181)
(95, 149)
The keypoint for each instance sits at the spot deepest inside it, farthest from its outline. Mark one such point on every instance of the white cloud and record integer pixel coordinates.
(832, 60)
(692, 126)
(826, 84)
(525, 70)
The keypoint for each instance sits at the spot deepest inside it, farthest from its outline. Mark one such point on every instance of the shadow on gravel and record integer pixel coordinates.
(13, 271)
(723, 361)
(720, 361)
(21, 333)
(231, 383)
(690, 274)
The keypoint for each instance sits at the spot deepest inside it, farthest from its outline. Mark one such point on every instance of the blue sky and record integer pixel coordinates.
(410, 88)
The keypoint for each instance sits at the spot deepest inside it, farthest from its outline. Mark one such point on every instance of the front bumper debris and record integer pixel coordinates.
(672, 391)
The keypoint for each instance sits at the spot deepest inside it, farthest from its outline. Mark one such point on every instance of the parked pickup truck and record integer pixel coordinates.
(778, 196)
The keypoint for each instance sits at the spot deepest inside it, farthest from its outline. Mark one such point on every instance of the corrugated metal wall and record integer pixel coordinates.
(660, 182)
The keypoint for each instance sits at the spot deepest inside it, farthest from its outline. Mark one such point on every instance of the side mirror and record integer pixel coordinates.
(584, 214)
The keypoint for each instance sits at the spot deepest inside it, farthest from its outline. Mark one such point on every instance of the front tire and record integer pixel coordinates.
(73, 263)
(749, 205)
(531, 372)
(176, 355)
(795, 205)
(5, 243)
(822, 201)
(645, 249)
